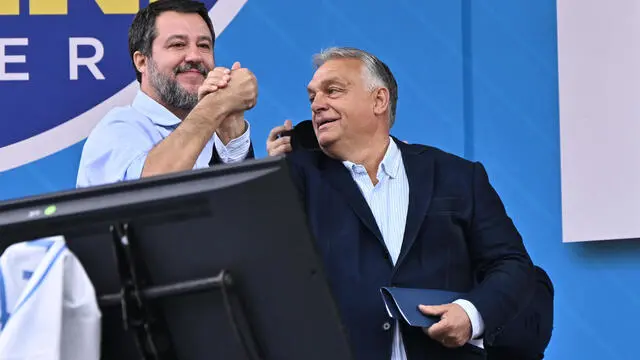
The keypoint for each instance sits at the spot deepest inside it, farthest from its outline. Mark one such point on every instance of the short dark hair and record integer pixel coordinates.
(143, 32)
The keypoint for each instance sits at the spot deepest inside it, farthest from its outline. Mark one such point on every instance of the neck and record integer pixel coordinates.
(370, 155)
(373, 158)
(179, 113)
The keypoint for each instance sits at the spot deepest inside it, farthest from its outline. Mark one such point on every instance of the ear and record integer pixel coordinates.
(140, 62)
(381, 101)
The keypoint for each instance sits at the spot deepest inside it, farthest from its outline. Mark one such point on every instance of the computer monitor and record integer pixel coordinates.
(223, 256)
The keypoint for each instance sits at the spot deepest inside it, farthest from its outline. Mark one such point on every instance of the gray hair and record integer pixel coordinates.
(377, 73)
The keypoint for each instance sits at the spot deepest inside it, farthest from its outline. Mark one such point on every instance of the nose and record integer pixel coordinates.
(319, 104)
(194, 54)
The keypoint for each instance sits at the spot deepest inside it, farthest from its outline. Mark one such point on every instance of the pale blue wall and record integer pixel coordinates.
(477, 78)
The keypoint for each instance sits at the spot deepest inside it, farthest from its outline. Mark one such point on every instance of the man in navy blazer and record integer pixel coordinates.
(525, 337)
(386, 213)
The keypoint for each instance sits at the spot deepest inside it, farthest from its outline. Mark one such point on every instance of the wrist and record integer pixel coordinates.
(232, 128)
(194, 132)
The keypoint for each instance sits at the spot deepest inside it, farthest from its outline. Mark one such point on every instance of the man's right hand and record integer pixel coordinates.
(241, 87)
(242, 90)
(224, 93)
(217, 78)
(282, 145)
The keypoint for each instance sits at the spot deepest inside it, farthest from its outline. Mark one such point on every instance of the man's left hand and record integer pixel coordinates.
(454, 328)
(234, 125)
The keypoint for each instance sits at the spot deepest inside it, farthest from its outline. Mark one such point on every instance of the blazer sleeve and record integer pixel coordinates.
(504, 270)
(528, 335)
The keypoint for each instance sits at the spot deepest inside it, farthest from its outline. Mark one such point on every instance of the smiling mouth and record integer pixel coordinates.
(323, 123)
(191, 72)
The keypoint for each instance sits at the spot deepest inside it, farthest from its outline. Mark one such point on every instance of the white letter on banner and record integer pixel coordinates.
(16, 59)
(75, 62)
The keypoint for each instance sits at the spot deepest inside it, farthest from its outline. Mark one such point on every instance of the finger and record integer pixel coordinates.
(283, 149)
(274, 145)
(206, 90)
(273, 134)
(219, 82)
(218, 72)
(439, 330)
(236, 65)
(288, 125)
(433, 310)
(450, 343)
(455, 342)
(223, 82)
(279, 142)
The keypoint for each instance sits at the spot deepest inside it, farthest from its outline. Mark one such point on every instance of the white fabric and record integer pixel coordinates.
(48, 307)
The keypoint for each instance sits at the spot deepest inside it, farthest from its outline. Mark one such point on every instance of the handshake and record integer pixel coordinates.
(242, 92)
(223, 98)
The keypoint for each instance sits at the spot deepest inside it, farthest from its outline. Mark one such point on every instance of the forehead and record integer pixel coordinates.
(172, 23)
(348, 71)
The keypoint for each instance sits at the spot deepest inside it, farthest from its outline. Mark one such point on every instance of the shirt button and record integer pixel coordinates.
(386, 326)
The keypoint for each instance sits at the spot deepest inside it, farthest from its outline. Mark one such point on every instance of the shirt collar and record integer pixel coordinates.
(391, 161)
(389, 165)
(157, 113)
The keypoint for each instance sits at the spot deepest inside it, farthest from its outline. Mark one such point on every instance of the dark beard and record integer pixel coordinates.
(170, 92)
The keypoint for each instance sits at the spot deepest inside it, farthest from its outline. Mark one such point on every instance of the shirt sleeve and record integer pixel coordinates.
(236, 150)
(114, 151)
(477, 324)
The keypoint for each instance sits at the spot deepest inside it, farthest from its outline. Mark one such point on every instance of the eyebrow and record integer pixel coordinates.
(184, 38)
(329, 81)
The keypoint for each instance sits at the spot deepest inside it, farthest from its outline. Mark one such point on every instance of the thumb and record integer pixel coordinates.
(236, 65)
(435, 310)
(288, 124)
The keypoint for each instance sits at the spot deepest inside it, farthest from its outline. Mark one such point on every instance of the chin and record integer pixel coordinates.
(325, 140)
(191, 88)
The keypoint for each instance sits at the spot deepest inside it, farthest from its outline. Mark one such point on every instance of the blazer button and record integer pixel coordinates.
(386, 326)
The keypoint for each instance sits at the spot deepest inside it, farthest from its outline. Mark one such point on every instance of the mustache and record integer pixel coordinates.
(191, 66)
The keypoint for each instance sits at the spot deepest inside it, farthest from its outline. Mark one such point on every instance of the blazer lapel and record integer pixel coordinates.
(339, 177)
(419, 167)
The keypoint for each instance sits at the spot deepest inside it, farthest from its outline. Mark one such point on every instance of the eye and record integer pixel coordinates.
(176, 45)
(311, 98)
(205, 46)
(333, 90)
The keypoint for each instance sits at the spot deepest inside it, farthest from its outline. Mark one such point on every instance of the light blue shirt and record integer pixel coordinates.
(117, 148)
(389, 203)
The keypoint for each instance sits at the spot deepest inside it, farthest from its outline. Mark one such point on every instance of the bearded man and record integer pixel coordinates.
(187, 114)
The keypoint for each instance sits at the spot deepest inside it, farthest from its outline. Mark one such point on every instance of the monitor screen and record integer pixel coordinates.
(246, 219)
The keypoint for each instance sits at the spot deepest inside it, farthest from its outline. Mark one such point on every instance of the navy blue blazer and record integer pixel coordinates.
(527, 336)
(456, 227)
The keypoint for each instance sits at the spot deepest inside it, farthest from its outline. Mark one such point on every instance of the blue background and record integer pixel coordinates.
(477, 78)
